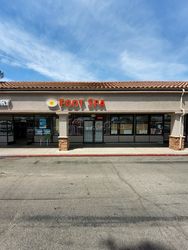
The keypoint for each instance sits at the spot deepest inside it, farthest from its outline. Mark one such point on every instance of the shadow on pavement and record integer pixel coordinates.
(111, 244)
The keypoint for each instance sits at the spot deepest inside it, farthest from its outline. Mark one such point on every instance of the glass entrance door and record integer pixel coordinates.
(88, 131)
(93, 131)
(23, 129)
(98, 131)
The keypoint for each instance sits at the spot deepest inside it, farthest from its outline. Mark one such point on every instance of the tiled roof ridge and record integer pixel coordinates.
(132, 81)
(91, 85)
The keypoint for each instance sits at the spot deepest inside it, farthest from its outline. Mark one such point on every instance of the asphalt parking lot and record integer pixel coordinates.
(113, 203)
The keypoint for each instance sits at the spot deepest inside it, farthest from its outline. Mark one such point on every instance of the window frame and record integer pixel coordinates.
(162, 122)
(127, 115)
(115, 123)
(148, 125)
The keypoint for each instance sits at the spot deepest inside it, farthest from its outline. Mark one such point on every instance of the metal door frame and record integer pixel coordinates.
(93, 132)
(101, 130)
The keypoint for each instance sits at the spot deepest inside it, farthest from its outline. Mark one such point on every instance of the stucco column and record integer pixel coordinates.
(177, 138)
(63, 131)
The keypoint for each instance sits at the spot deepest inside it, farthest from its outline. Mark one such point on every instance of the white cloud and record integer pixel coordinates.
(143, 68)
(6, 79)
(111, 39)
(27, 51)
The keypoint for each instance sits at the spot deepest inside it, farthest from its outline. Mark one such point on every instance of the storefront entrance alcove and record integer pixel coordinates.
(23, 130)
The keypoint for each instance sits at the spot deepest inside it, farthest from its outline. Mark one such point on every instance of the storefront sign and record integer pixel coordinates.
(52, 103)
(4, 102)
(81, 103)
(93, 103)
(77, 104)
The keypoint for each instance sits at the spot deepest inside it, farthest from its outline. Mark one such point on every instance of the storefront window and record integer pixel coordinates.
(142, 124)
(3, 128)
(114, 125)
(44, 129)
(6, 129)
(24, 129)
(43, 125)
(76, 125)
(10, 128)
(56, 126)
(156, 125)
(167, 123)
(126, 125)
(107, 125)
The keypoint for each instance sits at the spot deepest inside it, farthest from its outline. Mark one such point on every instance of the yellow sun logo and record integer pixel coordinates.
(52, 103)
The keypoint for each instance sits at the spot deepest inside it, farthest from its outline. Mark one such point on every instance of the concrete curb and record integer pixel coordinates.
(86, 155)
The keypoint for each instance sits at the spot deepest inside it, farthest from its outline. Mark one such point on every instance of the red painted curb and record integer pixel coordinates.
(88, 155)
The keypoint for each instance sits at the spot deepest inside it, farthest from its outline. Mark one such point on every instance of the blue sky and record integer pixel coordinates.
(94, 40)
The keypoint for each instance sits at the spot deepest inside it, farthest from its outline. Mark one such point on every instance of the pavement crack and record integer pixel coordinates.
(140, 198)
(125, 181)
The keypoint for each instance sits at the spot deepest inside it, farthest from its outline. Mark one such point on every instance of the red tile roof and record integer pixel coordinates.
(94, 86)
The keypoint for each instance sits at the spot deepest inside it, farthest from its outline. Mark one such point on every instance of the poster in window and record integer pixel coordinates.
(47, 131)
(38, 132)
(42, 123)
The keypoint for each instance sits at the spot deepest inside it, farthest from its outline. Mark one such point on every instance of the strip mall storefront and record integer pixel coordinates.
(68, 115)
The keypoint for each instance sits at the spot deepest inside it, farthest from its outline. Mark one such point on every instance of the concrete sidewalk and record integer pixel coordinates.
(121, 151)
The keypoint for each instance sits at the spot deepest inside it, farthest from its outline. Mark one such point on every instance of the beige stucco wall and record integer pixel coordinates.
(147, 102)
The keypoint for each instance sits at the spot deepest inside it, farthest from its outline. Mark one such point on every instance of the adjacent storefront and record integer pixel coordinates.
(119, 128)
(77, 114)
(28, 129)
